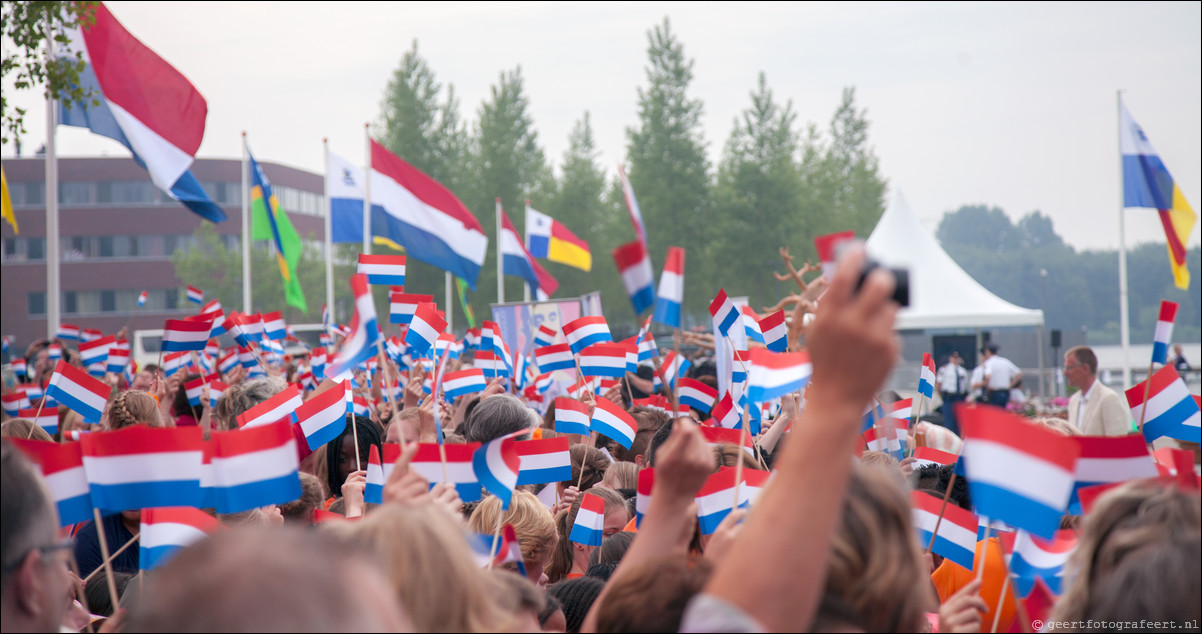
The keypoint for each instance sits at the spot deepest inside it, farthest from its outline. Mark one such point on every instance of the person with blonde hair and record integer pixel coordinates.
(570, 560)
(24, 428)
(532, 523)
(1139, 557)
(620, 475)
(426, 557)
(134, 407)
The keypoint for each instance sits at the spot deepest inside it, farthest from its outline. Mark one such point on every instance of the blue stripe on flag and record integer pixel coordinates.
(539, 476)
(281, 490)
(1014, 509)
(74, 510)
(1170, 423)
(140, 495)
(423, 245)
(89, 413)
(151, 558)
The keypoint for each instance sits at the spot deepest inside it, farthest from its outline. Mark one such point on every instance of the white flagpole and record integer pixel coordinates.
(1124, 335)
(450, 304)
(329, 227)
(52, 246)
(245, 227)
(367, 189)
(500, 279)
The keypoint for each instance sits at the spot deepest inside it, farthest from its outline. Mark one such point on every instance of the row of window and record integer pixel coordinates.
(127, 193)
(107, 301)
(82, 248)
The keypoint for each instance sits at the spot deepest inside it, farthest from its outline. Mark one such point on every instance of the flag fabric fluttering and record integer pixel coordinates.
(279, 407)
(1110, 459)
(385, 270)
(424, 328)
(62, 469)
(402, 305)
(427, 462)
(670, 294)
(550, 239)
(632, 205)
(571, 417)
(518, 262)
(1164, 332)
(142, 297)
(544, 461)
(926, 376)
(957, 539)
(166, 530)
(588, 529)
(255, 467)
(717, 496)
(323, 417)
(1170, 408)
(614, 422)
(79, 392)
(143, 103)
(270, 222)
(724, 313)
(697, 395)
(774, 374)
(496, 465)
(775, 331)
(365, 332)
(195, 295)
(1031, 558)
(1148, 184)
(634, 266)
(585, 331)
(603, 359)
(140, 467)
(181, 335)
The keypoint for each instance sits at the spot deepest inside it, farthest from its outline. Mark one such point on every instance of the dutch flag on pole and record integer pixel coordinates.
(724, 414)
(216, 391)
(96, 351)
(673, 366)
(62, 467)
(166, 530)
(255, 467)
(642, 498)
(544, 461)
(491, 364)
(614, 422)
(470, 381)
(46, 419)
(175, 362)
(496, 466)
(571, 417)
(67, 332)
(424, 328)
(883, 440)
(634, 266)
(751, 325)
(775, 332)
(1018, 472)
(926, 456)
(74, 388)
(1110, 459)
(544, 336)
(603, 359)
(142, 298)
(1164, 332)
(957, 538)
(402, 306)
(14, 403)
(274, 327)
(773, 374)
(926, 376)
(387, 270)
(195, 388)
(54, 352)
(181, 335)
(517, 261)
(554, 357)
(671, 289)
(1033, 558)
(697, 395)
(460, 466)
(724, 312)
(1171, 409)
(589, 527)
(279, 407)
(716, 498)
(365, 332)
(90, 334)
(323, 417)
(228, 362)
(118, 356)
(585, 331)
(195, 295)
(373, 493)
(140, 467)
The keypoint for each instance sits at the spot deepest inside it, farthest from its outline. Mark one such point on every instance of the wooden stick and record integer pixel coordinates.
(496, 536)
(675, 375)
(985, 553)
(113, 557)
(36, 416)
(1143, 412)
(922, 399)
(997, 611)
(939, 520)
(108, 563)
(355, 434)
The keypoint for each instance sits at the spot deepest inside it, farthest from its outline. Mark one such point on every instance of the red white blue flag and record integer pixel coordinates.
(585, 331)
(81, 393)
(1170, 408)
(140, 467)
(670, 295)
(255, 467)
(1164, 332)
(360, 344)
(61, 466)
(496, 465)
(634, 266)
(166, 530)
(387, 270)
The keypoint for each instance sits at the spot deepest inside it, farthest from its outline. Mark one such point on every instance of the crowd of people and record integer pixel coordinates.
(828, 545)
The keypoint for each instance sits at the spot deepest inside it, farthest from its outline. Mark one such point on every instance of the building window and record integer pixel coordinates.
(104, 247)
(108, 301)
(171, 297)
(35, 248)
(37, 304)
(77, 193)
(70, 302)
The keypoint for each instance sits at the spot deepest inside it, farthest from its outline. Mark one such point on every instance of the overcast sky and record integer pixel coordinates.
(1005, 104)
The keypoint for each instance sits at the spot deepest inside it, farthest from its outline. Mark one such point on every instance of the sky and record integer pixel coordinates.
(1004, 104)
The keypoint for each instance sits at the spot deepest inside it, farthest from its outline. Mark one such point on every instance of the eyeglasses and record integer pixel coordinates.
(48, 549)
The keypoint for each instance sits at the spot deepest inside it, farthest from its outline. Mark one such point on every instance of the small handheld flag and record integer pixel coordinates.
(614, 422)
(195, 295)
(496, 465)
(166, 530)
(544, 461)
(1164, 332)
(1170, 409)
(671, 289)
(724, 313)
(78, 391)
(142, 298)
(634, 266)
(926, 376)
(571, 417)
(585, 331)
(388, 270)
(588, 529)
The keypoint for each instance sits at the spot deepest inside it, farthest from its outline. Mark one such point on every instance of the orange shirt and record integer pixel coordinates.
(949, 577)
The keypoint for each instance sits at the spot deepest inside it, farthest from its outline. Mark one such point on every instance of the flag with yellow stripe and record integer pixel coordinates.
(270, 222)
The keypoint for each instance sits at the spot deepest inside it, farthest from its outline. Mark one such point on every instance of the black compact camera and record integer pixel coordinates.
(901, 281)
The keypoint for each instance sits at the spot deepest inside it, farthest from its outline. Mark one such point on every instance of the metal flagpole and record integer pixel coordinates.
(450, 311)
(52, 246)
(500, 278)
(329, 227)
(367, 189)
(1124, 335)
(245, 228)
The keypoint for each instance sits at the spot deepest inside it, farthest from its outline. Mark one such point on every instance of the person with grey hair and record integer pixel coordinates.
(242, 397)
(33, 589)
(498, 415)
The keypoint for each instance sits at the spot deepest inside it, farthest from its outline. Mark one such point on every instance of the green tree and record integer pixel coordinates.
(856, 187)
(26, 27)
(669, 169)
(507, 163)
(759, 191)
(420, 123)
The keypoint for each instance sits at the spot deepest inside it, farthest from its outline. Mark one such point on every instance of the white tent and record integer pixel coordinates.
(942, 295)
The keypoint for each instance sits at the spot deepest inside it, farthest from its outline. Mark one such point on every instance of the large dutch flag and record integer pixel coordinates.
(62, 467)
(140, 467)
(1171, 409)
(255, 467)
(517, 261)
(1018, 472)
(144, 104)
(166, 530)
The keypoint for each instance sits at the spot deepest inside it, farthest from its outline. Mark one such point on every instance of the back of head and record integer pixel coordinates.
(728, 455)
(430, 568)
(621, 475)
(592, 461)
(281, 579)
(235, 401)
(532, 523)
(651, 597)
(934, 480)
(1140, 554)
(313, 494)
(498, 415)
(576, 597)
(876, 573)
(612, 549)
(134, 407)
(23, 428)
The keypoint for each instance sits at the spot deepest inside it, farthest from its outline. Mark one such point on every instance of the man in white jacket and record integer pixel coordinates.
(1094, 409)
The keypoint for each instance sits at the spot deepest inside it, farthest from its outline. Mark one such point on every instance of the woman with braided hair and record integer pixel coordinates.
(134, 407)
